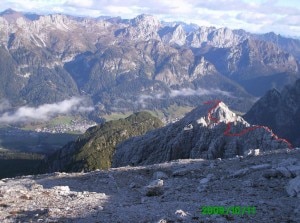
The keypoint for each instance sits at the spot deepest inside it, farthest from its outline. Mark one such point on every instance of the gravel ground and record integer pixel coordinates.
(177, 191)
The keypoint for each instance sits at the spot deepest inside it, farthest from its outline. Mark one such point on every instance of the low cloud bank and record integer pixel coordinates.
(198, 92)
(43, 112)
(184, 92)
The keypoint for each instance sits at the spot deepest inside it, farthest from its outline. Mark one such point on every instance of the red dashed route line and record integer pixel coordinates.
(244, 131)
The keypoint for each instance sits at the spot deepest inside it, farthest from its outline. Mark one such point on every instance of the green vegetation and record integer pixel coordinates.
(61, 120)
(171, 112)
(116, 115)
(175, 111)
(94, 149)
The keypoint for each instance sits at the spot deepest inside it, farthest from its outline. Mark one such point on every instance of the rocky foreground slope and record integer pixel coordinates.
(169, 192)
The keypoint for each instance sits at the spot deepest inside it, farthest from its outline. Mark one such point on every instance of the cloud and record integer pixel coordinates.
(184, 92)
(198, 92)
(45, 111)
(188, 92)
(79, 3)
(143, 98)
(292, 20)
(254, 16)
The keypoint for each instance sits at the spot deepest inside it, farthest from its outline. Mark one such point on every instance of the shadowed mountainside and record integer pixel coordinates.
(280, 111)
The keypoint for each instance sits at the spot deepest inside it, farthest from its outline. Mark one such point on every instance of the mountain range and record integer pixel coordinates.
(140, 63)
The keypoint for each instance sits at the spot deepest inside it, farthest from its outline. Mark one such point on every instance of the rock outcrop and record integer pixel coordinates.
(210, 131)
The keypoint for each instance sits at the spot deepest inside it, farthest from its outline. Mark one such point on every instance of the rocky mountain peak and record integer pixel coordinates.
(142, 27)
(213, 113)
(59, 20)
(179, 34)
(221, 38)
(221, 113)
(145, 20)
(174, 35)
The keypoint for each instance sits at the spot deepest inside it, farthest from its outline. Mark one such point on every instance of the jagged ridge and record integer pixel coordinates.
(203, 133)
(141, 56)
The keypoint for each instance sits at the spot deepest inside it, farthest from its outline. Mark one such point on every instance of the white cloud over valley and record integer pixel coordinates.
(43, 112)
(198, 92)
(183, 92)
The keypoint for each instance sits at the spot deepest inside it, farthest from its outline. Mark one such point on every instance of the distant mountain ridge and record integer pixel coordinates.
(115, 62)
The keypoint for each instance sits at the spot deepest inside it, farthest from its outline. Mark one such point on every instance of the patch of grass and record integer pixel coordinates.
(172, 112)
(60, 120)
(175, 111)
(157, 113)
(116, 116)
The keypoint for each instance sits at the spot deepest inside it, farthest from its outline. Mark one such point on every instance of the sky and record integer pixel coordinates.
(257, 16)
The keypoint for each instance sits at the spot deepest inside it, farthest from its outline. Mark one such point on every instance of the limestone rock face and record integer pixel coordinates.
(143, 27)
(173, 35)
(210, 131)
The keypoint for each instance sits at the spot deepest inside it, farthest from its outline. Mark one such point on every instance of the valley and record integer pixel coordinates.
(24, 147)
